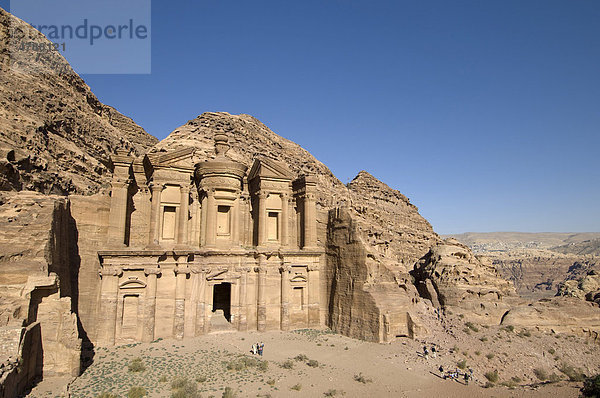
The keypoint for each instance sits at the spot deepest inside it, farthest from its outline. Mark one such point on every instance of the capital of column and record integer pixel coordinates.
(262, 194)
(110, 271)
(313, 267)
(184, 189)
(181, 269)
(152, 271)
(261, 270)
(283, 268)
(119, 183)
(199, 270)
(155, 186)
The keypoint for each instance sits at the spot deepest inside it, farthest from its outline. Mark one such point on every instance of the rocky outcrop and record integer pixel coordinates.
(34, 303)
(367, 300)
(453, 277)
(55, 135)
(584, 288)
(568, 315)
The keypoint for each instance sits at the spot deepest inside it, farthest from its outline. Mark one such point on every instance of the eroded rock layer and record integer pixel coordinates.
(55, 135)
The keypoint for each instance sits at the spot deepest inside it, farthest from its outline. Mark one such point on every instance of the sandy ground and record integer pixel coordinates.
(388, 370)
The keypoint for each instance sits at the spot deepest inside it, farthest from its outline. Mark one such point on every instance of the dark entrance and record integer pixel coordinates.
(222, 299)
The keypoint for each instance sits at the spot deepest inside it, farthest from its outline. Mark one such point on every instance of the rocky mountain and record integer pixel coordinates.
(55, 135)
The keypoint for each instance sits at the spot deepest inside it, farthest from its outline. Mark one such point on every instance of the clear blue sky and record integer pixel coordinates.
(486, 114)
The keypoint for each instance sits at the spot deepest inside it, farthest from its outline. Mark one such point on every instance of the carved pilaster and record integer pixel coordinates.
(150, 304)
(262, 218)
(154, 234)
(285, 292)
(181, 272)
(261, 321)
(182, 233)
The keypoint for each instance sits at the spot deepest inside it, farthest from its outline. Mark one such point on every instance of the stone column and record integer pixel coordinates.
(182, 233)
(179, 320)
(200, 307)
(108, 304)
(118, 212)
(310, 221)
(211, 219)
(155, 215)
(262, 218)
(285, 293)
(235, 227)
(285, 219)
(313, 296)
(195, 220)
(261, 315)
(150, 304)
(243, 317)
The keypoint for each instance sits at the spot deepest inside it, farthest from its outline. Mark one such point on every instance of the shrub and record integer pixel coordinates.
(228, 393)
(313, 363)
(551, 351)
(362, 379)
(271, 382)
(462, 364)
(179, 382)
(301, 358)
(591, 386)
(509, 328)
(516, 379)
(136, 392)
(331, 393)
(136, 365)
(524, 333)
(163, 379)
(289, 364)
(105, 394)
(510, 384)
(484, 339)
(477, 352)
(541, 374)
(296, 387)
(492, 376)
(200, 379)
(490, 356)
(488, 384)
(263, 365)
(572, 373)
(471, 326)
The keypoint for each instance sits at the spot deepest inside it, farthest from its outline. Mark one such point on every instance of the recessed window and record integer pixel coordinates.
(273, 226)
(169, 220)
(223, 220)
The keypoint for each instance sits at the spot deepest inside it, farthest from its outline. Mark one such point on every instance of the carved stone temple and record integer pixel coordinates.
(211, 247)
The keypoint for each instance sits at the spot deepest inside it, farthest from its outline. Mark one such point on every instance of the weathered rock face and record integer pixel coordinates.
(559, 315)
(584, 288)
(453, 277)
(367, 300)
(54, 133)
(36, 238)
(537, 273)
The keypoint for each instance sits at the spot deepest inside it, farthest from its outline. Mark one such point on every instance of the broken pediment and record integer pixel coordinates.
(269, 169)
(132, 284)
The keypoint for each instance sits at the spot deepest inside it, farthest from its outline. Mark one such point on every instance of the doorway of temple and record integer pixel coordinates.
(222, 299)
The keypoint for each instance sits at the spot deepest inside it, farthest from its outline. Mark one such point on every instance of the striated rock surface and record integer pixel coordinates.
(452, 277)
(55, 135)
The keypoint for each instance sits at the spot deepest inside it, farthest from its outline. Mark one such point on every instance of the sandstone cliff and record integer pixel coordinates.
(451, 276)
(55, 136)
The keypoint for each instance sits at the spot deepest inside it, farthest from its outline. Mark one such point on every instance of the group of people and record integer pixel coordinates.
(455, 374)
(427, 352)
(257, 348)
